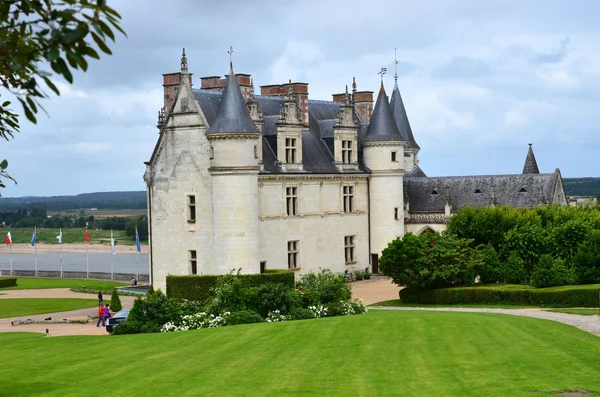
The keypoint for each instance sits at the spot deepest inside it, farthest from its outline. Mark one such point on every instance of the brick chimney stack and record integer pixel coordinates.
(299, 89)
(171, 83)
(363, 105)
(216, 83)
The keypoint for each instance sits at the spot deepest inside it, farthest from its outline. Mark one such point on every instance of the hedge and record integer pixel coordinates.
(8, 282)
(197, 288)
(564, 296)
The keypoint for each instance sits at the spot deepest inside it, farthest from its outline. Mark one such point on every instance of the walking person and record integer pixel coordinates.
(101, 316)
(106, 312)
(100, 298)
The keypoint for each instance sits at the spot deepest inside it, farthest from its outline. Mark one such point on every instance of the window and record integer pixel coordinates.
(255, 151)
(293, 255)
(191, 208)
(349, 248)
(346, 152)
(263, 266)
(193, 264)
(348, 192)
(212, 153)
(291, 198)
(396, 213)
(394, 154)
(290, 150)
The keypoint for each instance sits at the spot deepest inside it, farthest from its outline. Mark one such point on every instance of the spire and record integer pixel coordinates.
(184, 64)
(401, 118)
(531, 166)
(382, 128)
(232, 116)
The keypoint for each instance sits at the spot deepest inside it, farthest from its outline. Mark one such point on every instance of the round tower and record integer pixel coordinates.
(234, 141)
(383, 154)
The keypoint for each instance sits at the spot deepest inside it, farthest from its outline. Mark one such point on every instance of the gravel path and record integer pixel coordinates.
(587, 323)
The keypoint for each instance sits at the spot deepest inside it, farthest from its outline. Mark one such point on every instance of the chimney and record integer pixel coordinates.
(216, 83)
(339, 98)
(171, 83)
(363, 105)
(299, 89)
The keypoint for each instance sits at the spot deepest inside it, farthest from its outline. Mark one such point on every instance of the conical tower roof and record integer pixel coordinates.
(531, 166)
(232, 116)
(401, 118)
(382, 127)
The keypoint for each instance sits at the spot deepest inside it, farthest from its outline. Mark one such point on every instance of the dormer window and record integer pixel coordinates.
(477, 190)
(434, 192)
(522, 190)
(290, 150)
(346, 152)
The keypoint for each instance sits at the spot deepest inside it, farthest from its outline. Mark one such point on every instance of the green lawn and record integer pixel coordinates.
(44, 283)
(10, 307)
(584, 312)
(383, 353)
(75, 235)
(398, 302)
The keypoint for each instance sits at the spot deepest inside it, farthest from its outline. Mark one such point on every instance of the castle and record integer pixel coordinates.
(281, 181)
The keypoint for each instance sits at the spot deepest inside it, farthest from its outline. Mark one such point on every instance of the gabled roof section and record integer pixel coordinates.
(401, 118)
(232, 116)
(530, 166)
(416, 172)
(382, 127)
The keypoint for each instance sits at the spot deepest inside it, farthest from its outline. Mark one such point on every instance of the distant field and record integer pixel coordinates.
(101, 214)
(48, 236)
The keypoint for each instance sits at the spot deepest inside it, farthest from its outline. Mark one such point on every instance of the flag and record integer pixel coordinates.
(8, 238)
(112, 242)
(33, 237)
(59, 237)
(137, 241)
(86, 236)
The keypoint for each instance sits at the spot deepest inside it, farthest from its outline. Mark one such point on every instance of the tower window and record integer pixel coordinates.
(293, 255)
(255, 151)
(349, 248)
(396, 215)
(291, 199)
(346, 152)
(193, 263)
(394, 156)
(348, 193)
(212, 153)
(434, 192)
(290, 150)
(191, 208)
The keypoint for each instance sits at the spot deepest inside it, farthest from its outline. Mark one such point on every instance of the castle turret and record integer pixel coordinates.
(383, 151)
(234, 173)
(530, 166)
(411, 150)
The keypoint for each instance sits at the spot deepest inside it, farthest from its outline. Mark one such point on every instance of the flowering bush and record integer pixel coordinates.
(319, 311)
(275, 316)
(196, 321)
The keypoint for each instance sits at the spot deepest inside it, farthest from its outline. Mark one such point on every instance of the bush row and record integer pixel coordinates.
(198, 288)
(8, 282)
(565, 296)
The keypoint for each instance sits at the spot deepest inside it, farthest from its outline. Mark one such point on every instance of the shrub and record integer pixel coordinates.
(128, 327)
(269, 297)
(513, 270)
(8, 282)
(489, 269)
(323, 287)
(586, 260)
(195, 321)
(154, 311)
(115, 301)
(429, 261)
(300, 313)
(276, 317)
(359, 275)
(244, 317)
(565, 296)
(550, 272)
(198, 288)
(367, 275)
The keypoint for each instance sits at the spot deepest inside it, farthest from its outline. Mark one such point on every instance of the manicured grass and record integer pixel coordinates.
(583, 312)
(75, 235)
(28, 306)
(398, 302)
(44, 283)
(383, 353)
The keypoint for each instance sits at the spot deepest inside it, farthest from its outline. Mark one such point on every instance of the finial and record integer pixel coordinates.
(230, 52)
(395, 67)
(346, 97)
(353, 85)
(530, 144)
(381, 73)
(184, 64)
(346, 88)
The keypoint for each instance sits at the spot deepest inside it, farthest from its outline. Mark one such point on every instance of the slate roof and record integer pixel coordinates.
(530, 166)
(518, 190)
(416, 172)
(232, 116)
(401, 118)
(382, 127)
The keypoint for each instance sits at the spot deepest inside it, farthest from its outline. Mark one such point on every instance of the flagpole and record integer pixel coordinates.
(35, 250)
(61, 259)
(112, 259)
(10, 256)
(137, 254)
(87, 255)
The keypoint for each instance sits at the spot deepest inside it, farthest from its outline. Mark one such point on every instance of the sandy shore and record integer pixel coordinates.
(41, 248)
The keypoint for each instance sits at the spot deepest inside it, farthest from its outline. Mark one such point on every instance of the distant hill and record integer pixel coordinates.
(137, 200)
(582, 186)
(101, 200)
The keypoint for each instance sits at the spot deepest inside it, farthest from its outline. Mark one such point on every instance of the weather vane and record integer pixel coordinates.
(382, 72)
(395, 67)
(230, 52)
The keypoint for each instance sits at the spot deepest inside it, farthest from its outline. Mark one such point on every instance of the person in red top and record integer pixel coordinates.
(101, 316)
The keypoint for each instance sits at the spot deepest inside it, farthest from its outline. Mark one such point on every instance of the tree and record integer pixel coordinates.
(115, 301)
(35, 34)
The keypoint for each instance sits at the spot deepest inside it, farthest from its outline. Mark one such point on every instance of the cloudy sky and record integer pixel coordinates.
(480, 80)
